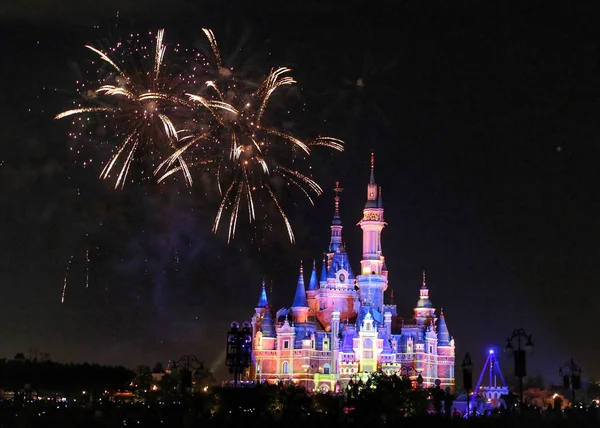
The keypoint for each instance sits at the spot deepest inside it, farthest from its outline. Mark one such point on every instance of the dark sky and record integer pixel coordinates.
(483, 118)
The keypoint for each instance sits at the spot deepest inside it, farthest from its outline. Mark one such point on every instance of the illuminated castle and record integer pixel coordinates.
(339, 328)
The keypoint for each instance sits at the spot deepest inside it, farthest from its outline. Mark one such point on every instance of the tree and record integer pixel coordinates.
(143, 378)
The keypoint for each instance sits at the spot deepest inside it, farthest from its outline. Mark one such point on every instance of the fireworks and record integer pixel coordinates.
(65, 280)
(207, 116)
(139, 106)
(246, 150)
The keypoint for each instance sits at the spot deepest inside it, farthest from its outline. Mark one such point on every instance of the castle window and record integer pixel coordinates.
(325, 344)
(326, 369)
(285, 367)
(312, 344)
(368, 354)
(286, 344)
(368, 344)
(431, 349)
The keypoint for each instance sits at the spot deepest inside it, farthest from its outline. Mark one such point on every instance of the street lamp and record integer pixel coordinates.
(467, 371)
(519, 354)
(239, 349)
(571, 374)
(185, 365)
(409, 369)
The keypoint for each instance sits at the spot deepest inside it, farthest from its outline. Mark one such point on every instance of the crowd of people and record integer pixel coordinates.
(189, 413)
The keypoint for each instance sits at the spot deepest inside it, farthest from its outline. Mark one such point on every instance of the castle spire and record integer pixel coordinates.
(262, 300)
(300, 297)
(336, 223)
(372, 186)
(442, 331)
(424, 301)
(267, 328)
(324, 269)
(392, 298)
(313, 284)
(372, 180)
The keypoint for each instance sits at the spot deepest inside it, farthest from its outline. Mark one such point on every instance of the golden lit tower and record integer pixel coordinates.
(372, 280)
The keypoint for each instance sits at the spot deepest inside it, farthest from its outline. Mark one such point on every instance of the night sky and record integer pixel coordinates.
(483, 117)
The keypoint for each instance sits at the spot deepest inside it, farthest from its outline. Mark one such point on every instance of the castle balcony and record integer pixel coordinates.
(265, 353)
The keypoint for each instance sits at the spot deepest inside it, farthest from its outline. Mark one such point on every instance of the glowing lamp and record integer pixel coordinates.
(491, 351)
(529, 345)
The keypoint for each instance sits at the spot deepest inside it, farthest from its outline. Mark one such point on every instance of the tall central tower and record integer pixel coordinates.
(372, 279)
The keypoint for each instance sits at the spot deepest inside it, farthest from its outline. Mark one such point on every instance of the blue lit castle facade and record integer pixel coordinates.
(339, 327)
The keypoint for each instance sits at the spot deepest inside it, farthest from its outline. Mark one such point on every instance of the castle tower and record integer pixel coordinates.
(260, 310)
(300, 306)
(336, 223)
(372, 281)
(424, 311)
(313, 289)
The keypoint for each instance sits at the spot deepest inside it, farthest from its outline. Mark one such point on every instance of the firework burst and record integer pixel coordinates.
(137, 100)
(248, 153)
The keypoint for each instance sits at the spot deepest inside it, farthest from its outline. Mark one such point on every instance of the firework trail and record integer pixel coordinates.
(245, 150)
(139, 103)
(65, 280)
(87, 262)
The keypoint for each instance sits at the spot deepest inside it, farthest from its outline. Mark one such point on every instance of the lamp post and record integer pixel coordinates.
(185, 365)
(519, 354)
(239, 349)
(354, 386)
(409, 369)
(571, 374)
(467, 372)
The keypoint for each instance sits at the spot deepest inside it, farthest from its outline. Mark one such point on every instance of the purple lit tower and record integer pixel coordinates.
(339, 327)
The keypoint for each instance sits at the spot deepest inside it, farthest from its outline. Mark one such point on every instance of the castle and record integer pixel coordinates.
(339, 328)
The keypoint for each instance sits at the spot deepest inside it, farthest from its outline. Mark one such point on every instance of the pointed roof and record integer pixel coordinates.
(267, 328)
(442, 331)
(262, 300)
(324, 269)
(424, 301)
(300, 297)
(313, 284)
(372, 186)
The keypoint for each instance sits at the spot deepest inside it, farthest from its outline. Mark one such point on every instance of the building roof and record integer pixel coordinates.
(267, 328)
(262, 300)
(313, 284)
(442, 331)
(300, 297)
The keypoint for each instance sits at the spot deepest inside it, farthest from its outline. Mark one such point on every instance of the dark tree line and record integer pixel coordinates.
(17, 375)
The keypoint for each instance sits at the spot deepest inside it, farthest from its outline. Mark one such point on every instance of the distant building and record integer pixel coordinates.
(339, 327)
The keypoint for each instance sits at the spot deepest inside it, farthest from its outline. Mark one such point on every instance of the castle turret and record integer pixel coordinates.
(372, 280)
(443, 334)
(262, 300)
(336, 222)
(260, 310)
(313, 289)
(313, 284)
(424, 311)
(267, 327)
(323, 277)
(300, 305)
